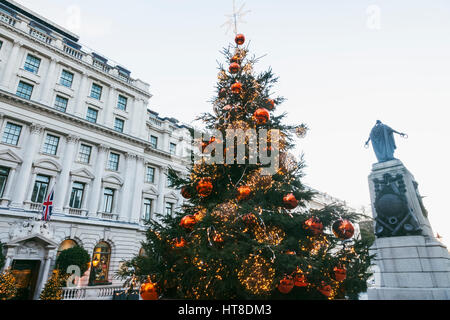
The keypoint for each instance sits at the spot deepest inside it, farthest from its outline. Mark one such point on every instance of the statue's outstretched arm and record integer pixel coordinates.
(367, 142)
(400, 133)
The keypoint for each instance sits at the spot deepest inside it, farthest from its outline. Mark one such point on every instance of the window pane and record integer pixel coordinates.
(118, 125)
(4, 172)
(147, 209)
(100, 264)
(91, 115)
(24, 90)
(76, 196)
(51, 144)
(169, 207)
(173, 148)
(150, 175)
(32, 64)
(12, 133)
(113, 162)
(61, 103)
(40, 189)
(85, 153)
(122, 103)
(154, 142)
(96, 91)
(66, 79)
(108, 197)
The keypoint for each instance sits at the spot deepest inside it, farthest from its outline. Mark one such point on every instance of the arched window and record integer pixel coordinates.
(66, 244)
(100, 264)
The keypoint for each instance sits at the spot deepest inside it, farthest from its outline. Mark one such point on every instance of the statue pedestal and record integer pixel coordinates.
(410, 264)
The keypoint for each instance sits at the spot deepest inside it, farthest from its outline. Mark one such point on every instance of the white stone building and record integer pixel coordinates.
(72, 119)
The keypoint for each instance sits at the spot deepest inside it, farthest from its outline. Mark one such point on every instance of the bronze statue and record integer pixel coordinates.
(382, 137)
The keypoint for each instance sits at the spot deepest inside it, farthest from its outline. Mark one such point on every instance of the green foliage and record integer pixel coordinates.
(8, 288)
(74, 256)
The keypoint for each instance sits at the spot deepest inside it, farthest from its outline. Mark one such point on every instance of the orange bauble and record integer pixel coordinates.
(261, 116)
(234, 67)
(148, 291)
(185, 193)
(340, 273)
(300, 280)
(236, 87)
(286, 285)
(179, 243)
(188, 221)
(343, 229)
(204, 187)
(236, 58)
(243, 192)
(289, 201)
(313, 225)
(270, 104)
(325, 289)
(240, 39)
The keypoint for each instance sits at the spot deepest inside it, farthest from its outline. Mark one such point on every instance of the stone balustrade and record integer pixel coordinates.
(90, 293)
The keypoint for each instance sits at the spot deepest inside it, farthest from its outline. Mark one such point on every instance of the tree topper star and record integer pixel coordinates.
(235, 18)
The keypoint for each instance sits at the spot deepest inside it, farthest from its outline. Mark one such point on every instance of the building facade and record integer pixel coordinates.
(73, 121)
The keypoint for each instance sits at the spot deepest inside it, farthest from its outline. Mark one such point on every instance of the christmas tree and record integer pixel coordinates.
(8, 288)
(245, 232)
(53, 287)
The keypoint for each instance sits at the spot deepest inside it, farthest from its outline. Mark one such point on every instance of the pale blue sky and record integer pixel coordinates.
(338, 72)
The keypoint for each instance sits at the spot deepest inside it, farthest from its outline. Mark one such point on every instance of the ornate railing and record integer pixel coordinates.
(40, 35)
(35, 206)
(77, 212)
(155, 122)
(73, 52)
(7, 19)
(90, 293)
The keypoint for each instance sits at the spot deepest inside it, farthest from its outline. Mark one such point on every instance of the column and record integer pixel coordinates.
(161, 189)
(126, 197)
(137, 125)
(46, 94)
(9, 184)
(99, 169)
(62, 182)
(135, 213)
(78, 111)
(11, 65)
(108, 110)
(25, 169)
(44, 276)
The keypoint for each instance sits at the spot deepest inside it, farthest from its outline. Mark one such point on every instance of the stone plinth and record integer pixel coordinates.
(410, 264)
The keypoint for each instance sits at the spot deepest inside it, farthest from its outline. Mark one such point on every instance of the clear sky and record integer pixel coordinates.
(342, 65)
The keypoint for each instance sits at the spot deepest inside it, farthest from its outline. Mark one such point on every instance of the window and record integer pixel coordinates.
(113, 161)
(91, 115)
(85, 153)
(169, 208)
(32, 64)
(66, 79)
(4, 172)
(122, 102)
(154, 142)
(76, 196)
(147, 209)
(66, 244)
(96, 91)
(61, 103)
(108, 200)
(169, 182)
(24, 90)
(150, 175)
(100, 264)
(118, 124)
(173, 149)
(12, 133)
(1, 44)
(40, 189)
(51, 144)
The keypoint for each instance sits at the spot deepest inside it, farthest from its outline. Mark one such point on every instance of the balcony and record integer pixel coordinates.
(77, 212)
(90, 293)
(108, 215)
(7, 19)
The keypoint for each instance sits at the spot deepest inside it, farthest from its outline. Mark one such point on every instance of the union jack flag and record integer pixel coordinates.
(47, 206)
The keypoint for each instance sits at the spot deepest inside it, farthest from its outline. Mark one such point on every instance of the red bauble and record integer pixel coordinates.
(234, 67)
(286, 285)
(188, 221)
(325, 289)
(179, 243)
(343, 229)
(289, 201)
(236, 87)
(185, 193)
(204, 187)
(340, 273)
(313, 225)
(300, 280)
(270, 104)
(243, 192)
(148, 291)
(240, 39)
(261, 116)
